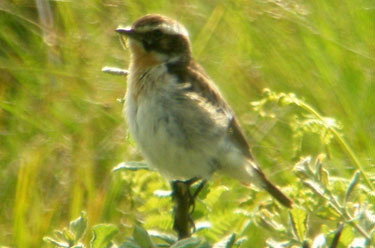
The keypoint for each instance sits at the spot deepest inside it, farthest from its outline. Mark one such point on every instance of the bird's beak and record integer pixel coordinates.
(128, 32)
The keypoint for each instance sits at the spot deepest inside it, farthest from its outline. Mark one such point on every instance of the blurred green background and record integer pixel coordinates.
(61, 128)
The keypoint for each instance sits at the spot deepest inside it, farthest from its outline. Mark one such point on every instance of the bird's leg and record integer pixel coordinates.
(195, 194)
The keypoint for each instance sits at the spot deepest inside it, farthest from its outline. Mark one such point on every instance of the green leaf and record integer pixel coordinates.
(59, 234)
(128, 244)
(352, 185)
(315, 187)
(240, 241)
(298, 219)
(321, 174)
(78, 246)
(227, 242)
(324, 177)
(187, 243)
(346, 236)
(78, 226)
(302, 167)
(68, 236)
(204, 245)
(103, 234)
(56, 242)
(142, 238)
(133, 166)
(165, 237)
(275, 244)
(267, 220)
(253, 235)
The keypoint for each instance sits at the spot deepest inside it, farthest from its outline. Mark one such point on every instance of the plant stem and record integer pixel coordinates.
(182, 219)
(338, 137)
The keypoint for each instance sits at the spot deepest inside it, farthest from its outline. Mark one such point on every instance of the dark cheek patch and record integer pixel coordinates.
(169, 44)
(153, 45)
(147, 45)
(164, 44)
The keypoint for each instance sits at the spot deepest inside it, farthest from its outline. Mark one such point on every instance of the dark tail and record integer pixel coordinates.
(273, 190)
(277, 194)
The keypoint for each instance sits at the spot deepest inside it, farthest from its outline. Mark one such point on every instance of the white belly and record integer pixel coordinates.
(160, 136)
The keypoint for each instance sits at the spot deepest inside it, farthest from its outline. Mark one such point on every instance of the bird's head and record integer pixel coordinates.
(157, 39)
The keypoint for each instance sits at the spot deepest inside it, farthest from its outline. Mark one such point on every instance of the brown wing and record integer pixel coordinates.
(234, 129)
(200, 83)
(237, 136)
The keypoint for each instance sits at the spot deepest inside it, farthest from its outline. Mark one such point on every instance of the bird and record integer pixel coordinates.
(176, 114)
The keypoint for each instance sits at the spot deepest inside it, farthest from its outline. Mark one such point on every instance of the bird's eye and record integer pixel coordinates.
(156, 34)
(152, 39)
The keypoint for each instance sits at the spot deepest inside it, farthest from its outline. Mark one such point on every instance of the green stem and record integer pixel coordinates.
(341, 141)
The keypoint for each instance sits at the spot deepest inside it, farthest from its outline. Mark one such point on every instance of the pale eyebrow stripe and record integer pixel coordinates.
(169, 29)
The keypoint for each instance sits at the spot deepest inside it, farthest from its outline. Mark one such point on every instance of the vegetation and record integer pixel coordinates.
(62, 131)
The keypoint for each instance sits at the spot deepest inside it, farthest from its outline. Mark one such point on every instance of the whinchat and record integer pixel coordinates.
(176, 114)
